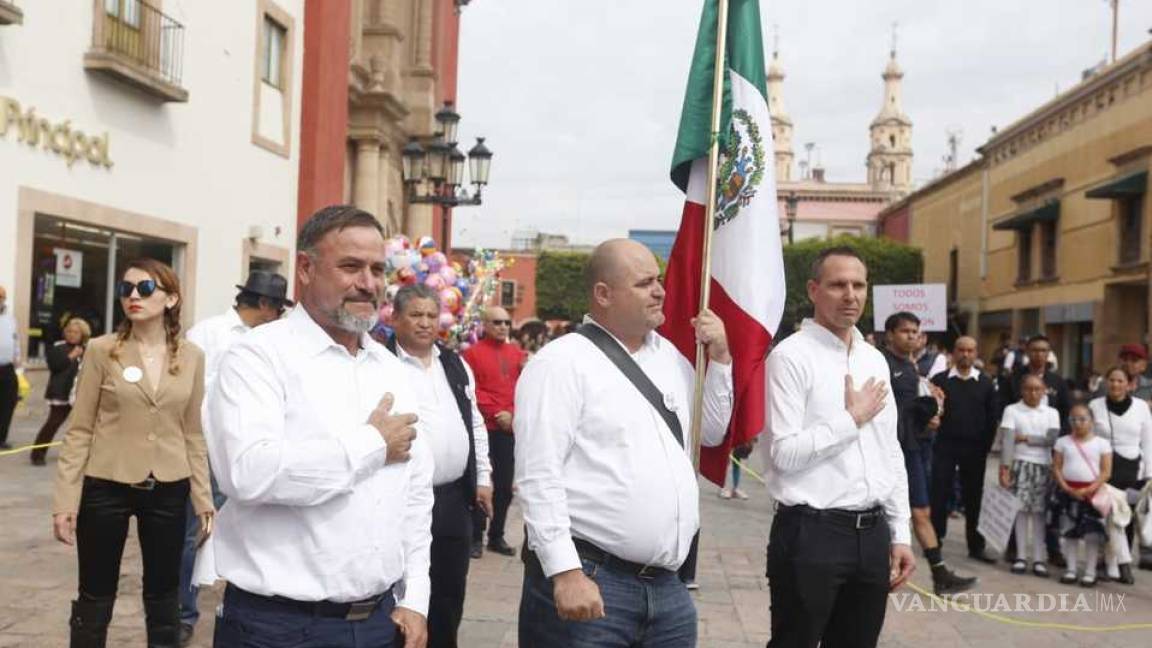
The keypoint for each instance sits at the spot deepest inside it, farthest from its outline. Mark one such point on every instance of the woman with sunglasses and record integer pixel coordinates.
(1081, 464)
(1127, 424)
(134, 447)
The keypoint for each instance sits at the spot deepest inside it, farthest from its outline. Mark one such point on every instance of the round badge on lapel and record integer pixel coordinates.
(132, 374)
(670, 401)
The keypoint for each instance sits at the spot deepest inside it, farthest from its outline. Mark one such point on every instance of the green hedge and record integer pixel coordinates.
(560, 286)
(888, 262)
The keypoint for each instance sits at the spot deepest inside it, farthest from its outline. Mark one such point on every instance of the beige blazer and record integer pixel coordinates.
(123, 431)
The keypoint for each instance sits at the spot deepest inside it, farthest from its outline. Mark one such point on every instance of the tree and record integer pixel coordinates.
(560, 290)
(888, 262)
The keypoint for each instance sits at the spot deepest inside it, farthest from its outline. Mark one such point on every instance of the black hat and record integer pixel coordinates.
(267, 284)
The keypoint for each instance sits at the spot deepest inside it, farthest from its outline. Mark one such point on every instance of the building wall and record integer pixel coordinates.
(949, 219)
(190, 171)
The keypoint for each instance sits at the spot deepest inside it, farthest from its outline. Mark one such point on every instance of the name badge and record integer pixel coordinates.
(132, 374)
(670, 402)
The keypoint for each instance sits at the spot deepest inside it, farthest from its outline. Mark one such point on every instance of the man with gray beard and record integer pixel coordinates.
(325, 538)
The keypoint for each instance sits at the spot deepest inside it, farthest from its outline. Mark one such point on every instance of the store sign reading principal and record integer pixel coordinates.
(59, 138)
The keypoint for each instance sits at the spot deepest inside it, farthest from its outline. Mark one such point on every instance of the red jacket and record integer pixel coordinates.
(497, 368)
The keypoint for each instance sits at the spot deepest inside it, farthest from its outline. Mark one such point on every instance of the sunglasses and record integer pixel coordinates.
(507, 322)
(145, 288)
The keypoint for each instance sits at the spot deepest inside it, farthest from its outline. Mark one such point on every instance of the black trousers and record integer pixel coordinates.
(57, 414)
(8, 394)
(450, 557)
(828, 581)
(970, 462)
(102, 528)
(501, 451)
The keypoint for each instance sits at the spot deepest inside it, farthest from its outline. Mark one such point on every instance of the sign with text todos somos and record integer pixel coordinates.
(929, 302)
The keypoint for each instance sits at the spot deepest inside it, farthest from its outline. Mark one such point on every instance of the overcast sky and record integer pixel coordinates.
(580, 99)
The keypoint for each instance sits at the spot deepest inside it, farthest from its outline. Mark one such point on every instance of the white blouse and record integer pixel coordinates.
(1130, 433)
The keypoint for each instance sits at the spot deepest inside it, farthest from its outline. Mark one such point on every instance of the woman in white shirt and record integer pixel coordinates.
(1081, 464)
(1029, 428)
(1127, 424)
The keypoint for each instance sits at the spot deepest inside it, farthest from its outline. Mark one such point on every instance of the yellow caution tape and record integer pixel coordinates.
(748, 470)
(29, 447)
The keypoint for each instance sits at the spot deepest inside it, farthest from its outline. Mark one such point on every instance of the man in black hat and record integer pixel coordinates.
(262, 299)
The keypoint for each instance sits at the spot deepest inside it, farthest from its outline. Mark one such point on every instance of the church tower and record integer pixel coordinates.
(890, 158)
(781, 122)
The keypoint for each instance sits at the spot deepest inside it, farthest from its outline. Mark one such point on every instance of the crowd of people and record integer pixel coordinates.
(341, 484)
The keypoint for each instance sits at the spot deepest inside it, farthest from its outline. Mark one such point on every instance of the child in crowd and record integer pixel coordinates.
(1081, 464)
(1029, 429)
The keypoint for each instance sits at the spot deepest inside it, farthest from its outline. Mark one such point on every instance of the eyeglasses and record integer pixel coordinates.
(145, 288)
(506, 322)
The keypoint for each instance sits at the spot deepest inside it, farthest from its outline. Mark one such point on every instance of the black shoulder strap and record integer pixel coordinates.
(634, 374)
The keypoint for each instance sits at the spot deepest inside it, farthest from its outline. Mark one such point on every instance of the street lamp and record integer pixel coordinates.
(790, 204)
(433, 172)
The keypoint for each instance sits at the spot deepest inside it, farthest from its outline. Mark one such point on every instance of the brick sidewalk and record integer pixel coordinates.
(40, 578)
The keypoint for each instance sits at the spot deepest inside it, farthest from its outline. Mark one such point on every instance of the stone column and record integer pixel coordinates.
(366, 180)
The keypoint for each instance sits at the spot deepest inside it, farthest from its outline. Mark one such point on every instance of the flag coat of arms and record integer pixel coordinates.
(747, 284)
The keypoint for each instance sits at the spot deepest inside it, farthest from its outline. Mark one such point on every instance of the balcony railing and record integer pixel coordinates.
(10, 14)
(137, 43)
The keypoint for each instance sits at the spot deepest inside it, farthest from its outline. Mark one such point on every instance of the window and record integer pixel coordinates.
(125, 11)
(1131, 228)
(1024, 255)
(507, 294)
(1049, 232)
(892, 140)
(275, 36)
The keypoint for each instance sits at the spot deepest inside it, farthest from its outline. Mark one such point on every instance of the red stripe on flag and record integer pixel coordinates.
(748, 340)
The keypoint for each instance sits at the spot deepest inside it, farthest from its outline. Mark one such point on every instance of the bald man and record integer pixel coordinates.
(496, 363)
(9, 362)
(603, 471)
(964, 436)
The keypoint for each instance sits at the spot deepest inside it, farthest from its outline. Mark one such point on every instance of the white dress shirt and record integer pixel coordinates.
(9, 338)
(1130, 433)
(440, 414)
(594, 460)
(215, 336)
(819, 456)
(313, 512)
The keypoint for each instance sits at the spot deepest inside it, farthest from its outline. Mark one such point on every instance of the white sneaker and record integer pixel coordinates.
(739, 494)
(724, 494)
(692, 585)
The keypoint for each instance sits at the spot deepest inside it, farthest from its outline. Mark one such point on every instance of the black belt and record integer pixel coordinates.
(353, 611)
(859, 520)
(589, 551)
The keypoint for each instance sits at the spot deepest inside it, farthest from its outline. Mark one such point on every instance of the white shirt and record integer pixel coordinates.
(440, 414)
(215, 336)
(939, 365)
(1130, 434)
(9, 339)
(973, 374)
(1037, 424)
(313, 512)
(820, 457)
(1076, 469)
(594, 460)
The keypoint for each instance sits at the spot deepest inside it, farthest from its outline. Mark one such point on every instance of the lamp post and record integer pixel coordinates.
(433, 171)
(790, 204)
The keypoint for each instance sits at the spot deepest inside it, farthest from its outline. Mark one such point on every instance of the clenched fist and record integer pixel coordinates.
(396, 429)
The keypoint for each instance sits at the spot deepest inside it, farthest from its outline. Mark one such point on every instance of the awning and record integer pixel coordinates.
(1047, 212)
(1132, 184)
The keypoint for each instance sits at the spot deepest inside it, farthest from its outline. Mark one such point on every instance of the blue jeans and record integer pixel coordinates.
(189, 613)
(247, 621)
(642, 613)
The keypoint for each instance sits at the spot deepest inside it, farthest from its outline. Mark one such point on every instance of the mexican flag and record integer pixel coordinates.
(747, 289)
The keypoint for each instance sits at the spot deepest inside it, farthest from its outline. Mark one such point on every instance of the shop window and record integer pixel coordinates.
(1049, 235)
(1131, 229)
(1024, 255)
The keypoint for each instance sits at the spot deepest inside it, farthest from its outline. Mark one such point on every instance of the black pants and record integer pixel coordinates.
(970, 463)
(687, 571)
(57, 414)
(501, 451)
(8, 394)
(450, 557)
(828, 581)
(1125, 475)
(102, 528)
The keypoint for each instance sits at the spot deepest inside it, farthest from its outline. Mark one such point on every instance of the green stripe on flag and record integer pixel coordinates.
(745, 57)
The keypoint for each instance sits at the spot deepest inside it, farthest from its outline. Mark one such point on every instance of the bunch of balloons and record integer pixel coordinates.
(463, 291)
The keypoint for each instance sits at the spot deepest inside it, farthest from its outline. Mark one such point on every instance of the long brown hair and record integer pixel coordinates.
(167, 281)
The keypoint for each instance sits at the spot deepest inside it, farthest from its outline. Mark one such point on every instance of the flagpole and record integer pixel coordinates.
(709, 218)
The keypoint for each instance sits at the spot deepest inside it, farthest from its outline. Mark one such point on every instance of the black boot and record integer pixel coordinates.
(162, 620)
(946, 581)
(89, 622)
(1126, 577)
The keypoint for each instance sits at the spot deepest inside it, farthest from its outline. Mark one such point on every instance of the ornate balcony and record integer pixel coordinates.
(135, 43)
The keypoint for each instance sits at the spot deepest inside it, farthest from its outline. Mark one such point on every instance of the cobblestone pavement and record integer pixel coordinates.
(39, 578)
